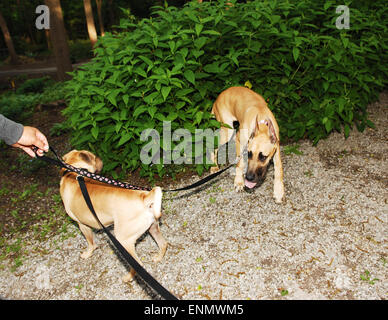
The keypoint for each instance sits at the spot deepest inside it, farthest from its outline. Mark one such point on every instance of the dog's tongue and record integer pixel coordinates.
(249, 184)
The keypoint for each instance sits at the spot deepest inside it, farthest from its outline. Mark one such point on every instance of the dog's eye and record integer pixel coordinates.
(249, 154)
(262, 157)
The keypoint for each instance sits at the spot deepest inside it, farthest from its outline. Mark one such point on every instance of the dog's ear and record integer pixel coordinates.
(264, 125)
(272, 133)
(92, 160)
(67, 155)
(99, 164)
(256, 130)
(85, 157)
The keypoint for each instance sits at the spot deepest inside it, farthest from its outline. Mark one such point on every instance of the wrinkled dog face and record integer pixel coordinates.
(261, 148)
(84, 159)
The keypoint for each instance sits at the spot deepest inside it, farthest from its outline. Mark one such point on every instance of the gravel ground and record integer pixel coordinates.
(328, 240)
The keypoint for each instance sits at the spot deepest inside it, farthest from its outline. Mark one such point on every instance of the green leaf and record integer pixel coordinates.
(125, 99)
(327, 5)
(212, 32)
(198, 117)
(165, 92)
(125, 137)
(152, 110)
(118, 127)
(94, 132)
(200, 42)
(97, 107)
(189, 75)
(198, 28)
(341, 104)
(370, 124)
(140, 110)
(295, 53)
(140, 71)
(275, 19)
(112, 98)
(328, 125)
(346, 130)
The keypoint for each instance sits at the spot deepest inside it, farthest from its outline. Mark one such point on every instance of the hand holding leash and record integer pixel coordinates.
(33, 142)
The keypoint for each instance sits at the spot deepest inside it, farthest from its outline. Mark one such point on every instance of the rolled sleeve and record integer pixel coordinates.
(10, 131)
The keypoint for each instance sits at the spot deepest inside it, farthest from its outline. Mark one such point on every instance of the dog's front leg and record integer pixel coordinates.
(239, 178)
(129, 245)
(241, 141)
(278, 190)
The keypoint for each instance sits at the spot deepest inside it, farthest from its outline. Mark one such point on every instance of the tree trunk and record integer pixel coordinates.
(100, 21)
(90, 22)
(47, 35)
(59, 39)
(8, 41)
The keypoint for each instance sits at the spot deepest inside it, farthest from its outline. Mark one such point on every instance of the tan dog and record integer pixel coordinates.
(258, 131)
(132, 212)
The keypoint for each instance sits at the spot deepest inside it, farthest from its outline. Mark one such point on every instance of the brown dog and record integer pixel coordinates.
(132, 212)
(258, 131)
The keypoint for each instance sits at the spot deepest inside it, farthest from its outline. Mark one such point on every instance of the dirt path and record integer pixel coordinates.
(31, 69)
(328, 240)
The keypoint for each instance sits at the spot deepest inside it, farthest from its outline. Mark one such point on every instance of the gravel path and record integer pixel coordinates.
(328, 240)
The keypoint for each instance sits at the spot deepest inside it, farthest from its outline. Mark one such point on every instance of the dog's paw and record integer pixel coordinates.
(129, 277)
(88, 252)
(238, 185)
(278, 197)
(278, 200)
(214, 169)
(278, 192)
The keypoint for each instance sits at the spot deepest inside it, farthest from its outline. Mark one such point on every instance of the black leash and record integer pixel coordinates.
(87, 174)
(151, 281)
(200, 182)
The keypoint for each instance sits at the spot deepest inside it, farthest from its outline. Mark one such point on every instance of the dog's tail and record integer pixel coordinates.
(153, 201)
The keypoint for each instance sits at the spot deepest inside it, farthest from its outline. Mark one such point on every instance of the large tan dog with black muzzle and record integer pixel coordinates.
(132, 212)
(258, 132)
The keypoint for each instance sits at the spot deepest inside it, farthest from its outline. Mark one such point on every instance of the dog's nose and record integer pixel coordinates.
(250, 176)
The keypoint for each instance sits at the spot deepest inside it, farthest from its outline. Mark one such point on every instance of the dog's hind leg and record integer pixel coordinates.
(160, 241)
(88, 233)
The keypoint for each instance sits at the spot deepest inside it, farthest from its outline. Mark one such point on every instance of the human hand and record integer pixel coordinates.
(32, 137)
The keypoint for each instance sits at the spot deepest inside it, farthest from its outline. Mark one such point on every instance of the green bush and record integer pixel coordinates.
(80, 50)
(172, 66)
(17, 107)
(34, 85)
(53, 92)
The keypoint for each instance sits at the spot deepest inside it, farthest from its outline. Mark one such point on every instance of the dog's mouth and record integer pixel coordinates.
(250, 184)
